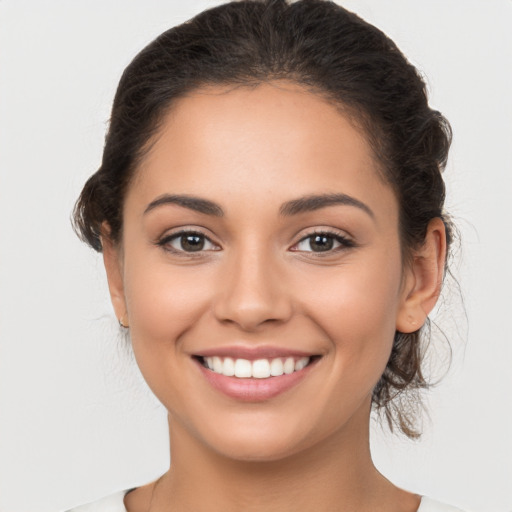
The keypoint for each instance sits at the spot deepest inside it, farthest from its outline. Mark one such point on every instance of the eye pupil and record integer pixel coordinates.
(321, 243)
(192, 243)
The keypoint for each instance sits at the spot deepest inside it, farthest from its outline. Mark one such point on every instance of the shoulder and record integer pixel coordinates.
(430, 505)
(112, 503)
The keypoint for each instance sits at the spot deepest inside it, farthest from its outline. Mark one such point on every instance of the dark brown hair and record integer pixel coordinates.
(328, 50)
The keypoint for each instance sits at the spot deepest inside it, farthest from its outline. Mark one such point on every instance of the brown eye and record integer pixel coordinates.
(187, 242)
(191, 243)
(322, 242)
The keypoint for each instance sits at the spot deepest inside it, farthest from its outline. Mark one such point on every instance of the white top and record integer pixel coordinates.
(115, 503)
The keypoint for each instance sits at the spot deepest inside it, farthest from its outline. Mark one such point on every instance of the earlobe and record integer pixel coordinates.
(424, 280)
(113, 266)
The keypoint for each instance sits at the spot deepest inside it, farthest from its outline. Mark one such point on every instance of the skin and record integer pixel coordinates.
(258, 281)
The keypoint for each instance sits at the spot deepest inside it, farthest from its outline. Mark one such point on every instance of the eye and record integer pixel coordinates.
(188, 241)
(322, 242)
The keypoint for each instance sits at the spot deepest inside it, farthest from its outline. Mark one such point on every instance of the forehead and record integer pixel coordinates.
(273, 139)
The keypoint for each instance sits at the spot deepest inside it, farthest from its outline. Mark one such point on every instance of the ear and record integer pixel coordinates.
(113, 261)
(423, 279)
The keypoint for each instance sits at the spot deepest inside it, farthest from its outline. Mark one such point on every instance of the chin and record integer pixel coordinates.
(266, 440)
(251, 450)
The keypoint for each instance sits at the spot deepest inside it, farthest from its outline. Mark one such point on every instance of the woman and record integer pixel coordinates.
(270, 212)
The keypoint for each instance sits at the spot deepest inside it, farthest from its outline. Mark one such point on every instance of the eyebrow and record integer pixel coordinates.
(192, 203)
(294, 207)
(316, 202)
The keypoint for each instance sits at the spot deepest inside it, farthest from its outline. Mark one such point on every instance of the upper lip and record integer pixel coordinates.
(252, 353)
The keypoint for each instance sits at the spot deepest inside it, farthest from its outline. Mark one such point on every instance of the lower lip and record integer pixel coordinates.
(254, 390)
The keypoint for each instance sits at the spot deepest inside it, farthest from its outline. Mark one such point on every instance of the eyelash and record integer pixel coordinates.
(344, 242)
(166, 240)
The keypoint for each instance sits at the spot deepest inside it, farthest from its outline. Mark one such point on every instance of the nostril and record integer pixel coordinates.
(251, 315)
(253, 295)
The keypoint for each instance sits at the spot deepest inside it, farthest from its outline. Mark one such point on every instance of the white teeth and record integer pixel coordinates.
(301, 363)
(217, 365)
(228, 368)
(276, 368)
(258, 369)
(261, 369)
(289, 365)
(243, 368)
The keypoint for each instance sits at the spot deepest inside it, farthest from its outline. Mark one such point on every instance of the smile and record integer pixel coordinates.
(257, 369)
(254, 375)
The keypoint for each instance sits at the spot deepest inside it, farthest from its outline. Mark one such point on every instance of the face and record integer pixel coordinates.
(259, 239)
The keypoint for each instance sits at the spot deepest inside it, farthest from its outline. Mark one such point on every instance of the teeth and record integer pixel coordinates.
(300, 364)
(228, 368)
(289, 365)
(259, 369)
(243, 368)
(276, 367)
(217, 364)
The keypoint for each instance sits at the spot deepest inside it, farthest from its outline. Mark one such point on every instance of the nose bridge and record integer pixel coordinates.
(252, 292)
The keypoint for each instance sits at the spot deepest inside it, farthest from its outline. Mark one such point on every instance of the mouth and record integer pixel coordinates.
(255, 369)
(254, 378)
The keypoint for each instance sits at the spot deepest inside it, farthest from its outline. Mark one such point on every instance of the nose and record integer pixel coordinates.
(253, 292)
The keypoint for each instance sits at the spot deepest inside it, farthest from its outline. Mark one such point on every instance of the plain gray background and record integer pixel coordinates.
(76, 422)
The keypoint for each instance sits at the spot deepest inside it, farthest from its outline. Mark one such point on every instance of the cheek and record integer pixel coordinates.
(163, 302)
(164, 298)
(357, 308)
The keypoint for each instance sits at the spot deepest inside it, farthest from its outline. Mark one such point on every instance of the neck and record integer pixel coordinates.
(337, 474)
